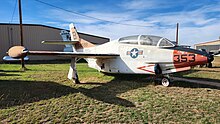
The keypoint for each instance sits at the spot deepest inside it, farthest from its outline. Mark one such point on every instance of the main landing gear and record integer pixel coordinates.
(72, 75)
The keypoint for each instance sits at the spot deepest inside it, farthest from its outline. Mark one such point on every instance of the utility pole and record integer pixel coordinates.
(21, 34)
(177, 33)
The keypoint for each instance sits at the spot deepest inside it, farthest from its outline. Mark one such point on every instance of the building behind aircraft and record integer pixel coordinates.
(211, 46)
(33, 36)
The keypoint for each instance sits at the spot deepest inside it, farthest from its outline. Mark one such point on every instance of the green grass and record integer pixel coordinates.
(43, 94)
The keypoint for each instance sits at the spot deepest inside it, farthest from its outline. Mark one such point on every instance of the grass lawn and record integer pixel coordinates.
(43, 94)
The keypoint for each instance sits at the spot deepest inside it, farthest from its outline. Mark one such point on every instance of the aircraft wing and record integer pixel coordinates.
(20, 51)
(73, 54)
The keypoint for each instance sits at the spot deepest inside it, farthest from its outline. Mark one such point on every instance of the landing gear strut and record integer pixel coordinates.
(72, 75)
(165, 79)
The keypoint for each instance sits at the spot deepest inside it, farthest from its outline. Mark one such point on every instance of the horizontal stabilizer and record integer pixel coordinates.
(60, 42)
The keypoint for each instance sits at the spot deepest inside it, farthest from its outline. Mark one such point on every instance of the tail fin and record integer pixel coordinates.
(75, 37)
(73, 33)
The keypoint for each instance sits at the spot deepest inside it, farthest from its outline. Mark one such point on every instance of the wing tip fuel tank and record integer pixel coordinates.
(17, 52)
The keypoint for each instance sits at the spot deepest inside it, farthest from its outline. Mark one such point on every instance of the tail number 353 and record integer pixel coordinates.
(184, 58)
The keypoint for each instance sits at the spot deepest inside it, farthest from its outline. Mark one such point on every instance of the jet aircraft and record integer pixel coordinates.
(137, 54)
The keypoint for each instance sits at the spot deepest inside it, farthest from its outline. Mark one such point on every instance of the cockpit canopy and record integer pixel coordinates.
(149, 40)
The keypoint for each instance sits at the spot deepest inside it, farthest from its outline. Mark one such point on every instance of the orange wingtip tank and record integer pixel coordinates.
(17, 52)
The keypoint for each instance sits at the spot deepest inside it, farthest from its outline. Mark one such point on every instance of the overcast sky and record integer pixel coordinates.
(199, 19)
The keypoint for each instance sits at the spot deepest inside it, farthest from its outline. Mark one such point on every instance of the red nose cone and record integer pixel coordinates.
(17, 52)
(200, 60)
(185, 59)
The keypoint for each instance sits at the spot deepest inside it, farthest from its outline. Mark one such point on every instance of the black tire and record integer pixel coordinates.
(209, 65)
(165, 81)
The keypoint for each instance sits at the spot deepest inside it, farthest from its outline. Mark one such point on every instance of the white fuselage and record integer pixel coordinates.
(144, 54)
(133, 58)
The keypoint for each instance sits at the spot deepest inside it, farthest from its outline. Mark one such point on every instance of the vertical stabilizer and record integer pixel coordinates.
(73, 33)
(82, 44)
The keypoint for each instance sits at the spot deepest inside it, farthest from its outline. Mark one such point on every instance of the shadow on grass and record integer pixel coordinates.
(9, 71)
(195, 78)
(108, 92)
(216, 66)
(3, 74)
(18, 92)
(186, 84)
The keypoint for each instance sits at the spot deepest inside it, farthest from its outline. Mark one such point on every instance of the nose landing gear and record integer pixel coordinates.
(165, 81)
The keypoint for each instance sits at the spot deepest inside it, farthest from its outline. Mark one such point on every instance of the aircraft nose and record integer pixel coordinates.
(17, 52)
(185, 58)
(201, 59)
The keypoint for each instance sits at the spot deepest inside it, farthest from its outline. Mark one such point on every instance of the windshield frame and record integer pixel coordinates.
(138, 41)
(158, 44)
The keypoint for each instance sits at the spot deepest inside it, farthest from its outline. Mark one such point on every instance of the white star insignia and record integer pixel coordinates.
(134, 53)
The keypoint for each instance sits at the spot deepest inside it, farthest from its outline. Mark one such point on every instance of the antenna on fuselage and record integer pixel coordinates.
(177, 33)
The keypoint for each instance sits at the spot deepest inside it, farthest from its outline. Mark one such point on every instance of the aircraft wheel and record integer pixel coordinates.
(165, 81)
(209, 65)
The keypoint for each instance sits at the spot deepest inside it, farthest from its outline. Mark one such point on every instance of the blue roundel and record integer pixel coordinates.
(134, 53)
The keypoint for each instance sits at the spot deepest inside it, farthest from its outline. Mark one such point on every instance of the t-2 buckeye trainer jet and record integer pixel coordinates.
(138, 54)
